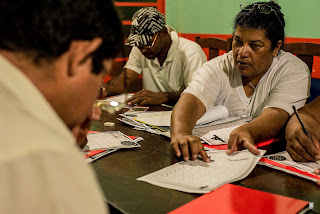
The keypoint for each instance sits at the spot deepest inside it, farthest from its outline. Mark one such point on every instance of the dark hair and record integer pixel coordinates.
(44, 29)
(273, 23)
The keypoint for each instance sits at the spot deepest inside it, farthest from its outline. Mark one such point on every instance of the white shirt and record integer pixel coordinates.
(41, 168)
(183, 59)
(286, 83)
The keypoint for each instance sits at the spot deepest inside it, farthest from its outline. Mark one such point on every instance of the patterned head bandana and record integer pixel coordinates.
(145, 23)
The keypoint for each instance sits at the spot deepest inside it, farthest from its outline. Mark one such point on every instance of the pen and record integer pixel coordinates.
(166, 105)
(151, 125)
(303, 128)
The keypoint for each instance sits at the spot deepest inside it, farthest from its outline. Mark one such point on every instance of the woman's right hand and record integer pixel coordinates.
(189, 147)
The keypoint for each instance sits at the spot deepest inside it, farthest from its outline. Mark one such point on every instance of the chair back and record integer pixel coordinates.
(214, 45)
(304, 50)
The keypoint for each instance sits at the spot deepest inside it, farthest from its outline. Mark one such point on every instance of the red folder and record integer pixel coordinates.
(236, 200)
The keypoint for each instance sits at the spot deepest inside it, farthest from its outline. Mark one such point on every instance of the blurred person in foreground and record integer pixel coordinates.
(53, 57)
(167, 62)
(256, 78)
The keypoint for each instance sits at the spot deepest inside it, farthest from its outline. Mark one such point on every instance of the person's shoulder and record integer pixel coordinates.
(288, 60)
(226, 58)
(187, 44)
(223, 63)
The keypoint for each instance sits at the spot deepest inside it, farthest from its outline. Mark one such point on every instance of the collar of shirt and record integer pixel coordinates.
(174, 45)
(27, 95)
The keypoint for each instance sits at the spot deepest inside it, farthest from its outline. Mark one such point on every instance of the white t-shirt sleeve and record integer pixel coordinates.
(135, 60)
(291, 89)
(50, 183)
(209, 83)
(193, 63)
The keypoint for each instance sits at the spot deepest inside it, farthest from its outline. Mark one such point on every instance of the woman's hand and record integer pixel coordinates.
(240, 138)
(188, 145)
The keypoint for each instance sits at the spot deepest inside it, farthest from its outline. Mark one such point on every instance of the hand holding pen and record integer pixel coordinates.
(302, 146)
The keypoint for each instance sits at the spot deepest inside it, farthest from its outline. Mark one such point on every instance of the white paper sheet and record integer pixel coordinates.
(109, 140)
(155, 118)
(121, 98)
(200, 177)
(284, 159)
(218, 137)
(162, 118)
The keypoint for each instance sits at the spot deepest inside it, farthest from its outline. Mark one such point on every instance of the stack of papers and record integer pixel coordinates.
(158, 122)
(103, 143)
(219, 136)
(200, 177)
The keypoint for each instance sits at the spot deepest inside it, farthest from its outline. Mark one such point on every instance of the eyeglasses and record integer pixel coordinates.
(261, 7)
(154, 40)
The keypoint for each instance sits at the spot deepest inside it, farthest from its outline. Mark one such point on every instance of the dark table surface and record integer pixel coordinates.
(118, 171)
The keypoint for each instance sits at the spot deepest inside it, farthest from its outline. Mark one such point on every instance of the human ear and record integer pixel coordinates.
(80, 51)
(277, 48)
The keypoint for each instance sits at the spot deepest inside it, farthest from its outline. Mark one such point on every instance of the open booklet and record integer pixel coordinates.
(200, 177)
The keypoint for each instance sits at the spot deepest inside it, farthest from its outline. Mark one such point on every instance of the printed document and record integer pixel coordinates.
(219, 136)
(200, 177)
(109, 140)
(283, 162)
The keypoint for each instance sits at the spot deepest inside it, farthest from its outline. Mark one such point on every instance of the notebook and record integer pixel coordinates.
(232, 199)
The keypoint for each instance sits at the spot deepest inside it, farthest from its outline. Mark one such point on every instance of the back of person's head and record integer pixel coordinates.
(265, 16)
(44, 29)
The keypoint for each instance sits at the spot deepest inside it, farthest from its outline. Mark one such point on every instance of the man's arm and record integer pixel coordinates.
(312, 108)
(184, 117)
(299, 146)
(266, 126)
(146, 97)
(117, 84)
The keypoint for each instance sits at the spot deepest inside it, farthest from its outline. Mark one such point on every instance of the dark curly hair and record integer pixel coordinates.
(273, 23)
(44, 29)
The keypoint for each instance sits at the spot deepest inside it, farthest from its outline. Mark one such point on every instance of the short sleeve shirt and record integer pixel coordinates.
(183, 59)
(286, 83)
(42, 170)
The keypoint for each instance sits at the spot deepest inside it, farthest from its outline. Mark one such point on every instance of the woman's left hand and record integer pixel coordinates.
(240, 138)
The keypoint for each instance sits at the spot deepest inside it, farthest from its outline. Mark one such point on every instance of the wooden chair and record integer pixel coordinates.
(214, 45)
(304, 50)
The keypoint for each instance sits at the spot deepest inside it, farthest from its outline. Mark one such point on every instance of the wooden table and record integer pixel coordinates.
(117, 173)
